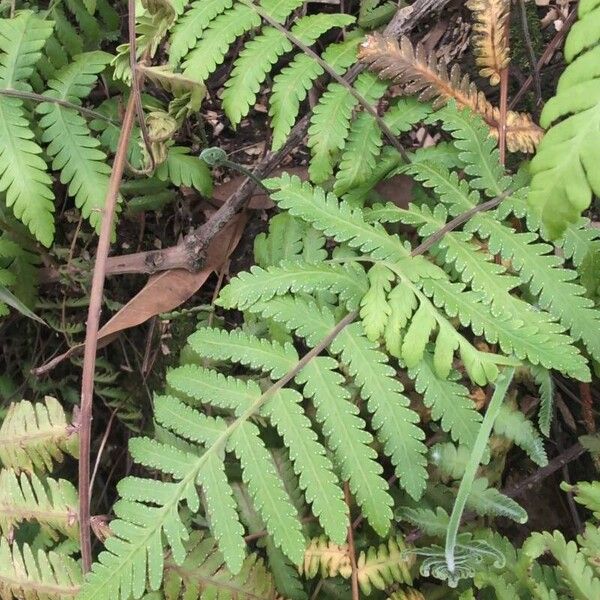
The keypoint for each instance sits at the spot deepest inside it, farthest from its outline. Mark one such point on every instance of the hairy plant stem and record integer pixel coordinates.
(466, 483)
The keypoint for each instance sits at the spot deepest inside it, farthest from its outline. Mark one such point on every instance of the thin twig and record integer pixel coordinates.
(529, 45)
(93, 324)
(86, 112)
(557, 463)
(101, 449)
(546, 55)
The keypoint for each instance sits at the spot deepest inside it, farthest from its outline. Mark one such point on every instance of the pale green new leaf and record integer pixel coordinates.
(41, 576)
(184, 169)
(565, 173)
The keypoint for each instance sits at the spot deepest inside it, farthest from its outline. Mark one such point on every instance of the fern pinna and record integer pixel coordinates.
(33, 438)
(345, 416)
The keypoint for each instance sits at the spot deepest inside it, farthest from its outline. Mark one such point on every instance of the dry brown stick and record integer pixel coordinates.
(93, 319)
(351, 547)
(546, 55)
(91, 335)
(504, 97)
(529, 45)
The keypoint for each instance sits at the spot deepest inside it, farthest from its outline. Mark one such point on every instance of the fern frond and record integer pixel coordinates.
(216, 39)
(313, 468)
(534, 262)
(23, 172)
(327, 558)
(51, 503)
(572, 565)
(485, 500)
(422, 74)
(32, 436)
(333, 218)
(543, 378)
(76, 153)
(406, 594)
(260, 54)
(258, 284)
(490, 37)
(189, 28)
(292, 84)
(390, 563)
(377, 568)
(586, 493)
(204, 573)
(183, 169)
(513, 425)
(330, 122)
(394, 422)
(578, 239)
(267, 491)
(364, 143)
(343, 427)
(430, 522)
(49, 576)
(564, 169)
(448, 400)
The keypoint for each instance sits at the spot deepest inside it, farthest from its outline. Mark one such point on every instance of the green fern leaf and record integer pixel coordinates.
(394, 421)
(542, 270)
(51, 503)
(258, 284)
(267, 491)
(344, 429)
(260, 54)
(587, 494)
(216, 39)
(329, 127)
(313, 468)
(486, 500)
(364, 140)
(334, 218)
(578, 240)
(189, 28)
(23, 172)
(75, 152)
(251, 68)
(514, 426)
(375, 308)
(183, 169)
(564, 169)
(534, 262)
(348, 440)
(310, 463)
(49, 576)
(33, 436)
(448, 400)
(478, 150)
(543, 378)
(430, 522)
(572, 566)
(291, 85)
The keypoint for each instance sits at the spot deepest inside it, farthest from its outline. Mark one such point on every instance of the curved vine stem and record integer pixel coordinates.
(466, 483)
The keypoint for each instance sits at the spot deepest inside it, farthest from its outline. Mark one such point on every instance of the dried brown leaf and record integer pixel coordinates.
(490, 39)
(423, 75)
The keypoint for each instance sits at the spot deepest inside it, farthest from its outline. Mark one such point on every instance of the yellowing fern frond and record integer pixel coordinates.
(327, 558)
(490, 39)
(422, 74)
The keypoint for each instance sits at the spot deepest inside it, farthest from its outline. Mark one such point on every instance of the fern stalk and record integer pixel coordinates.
(502, 384)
